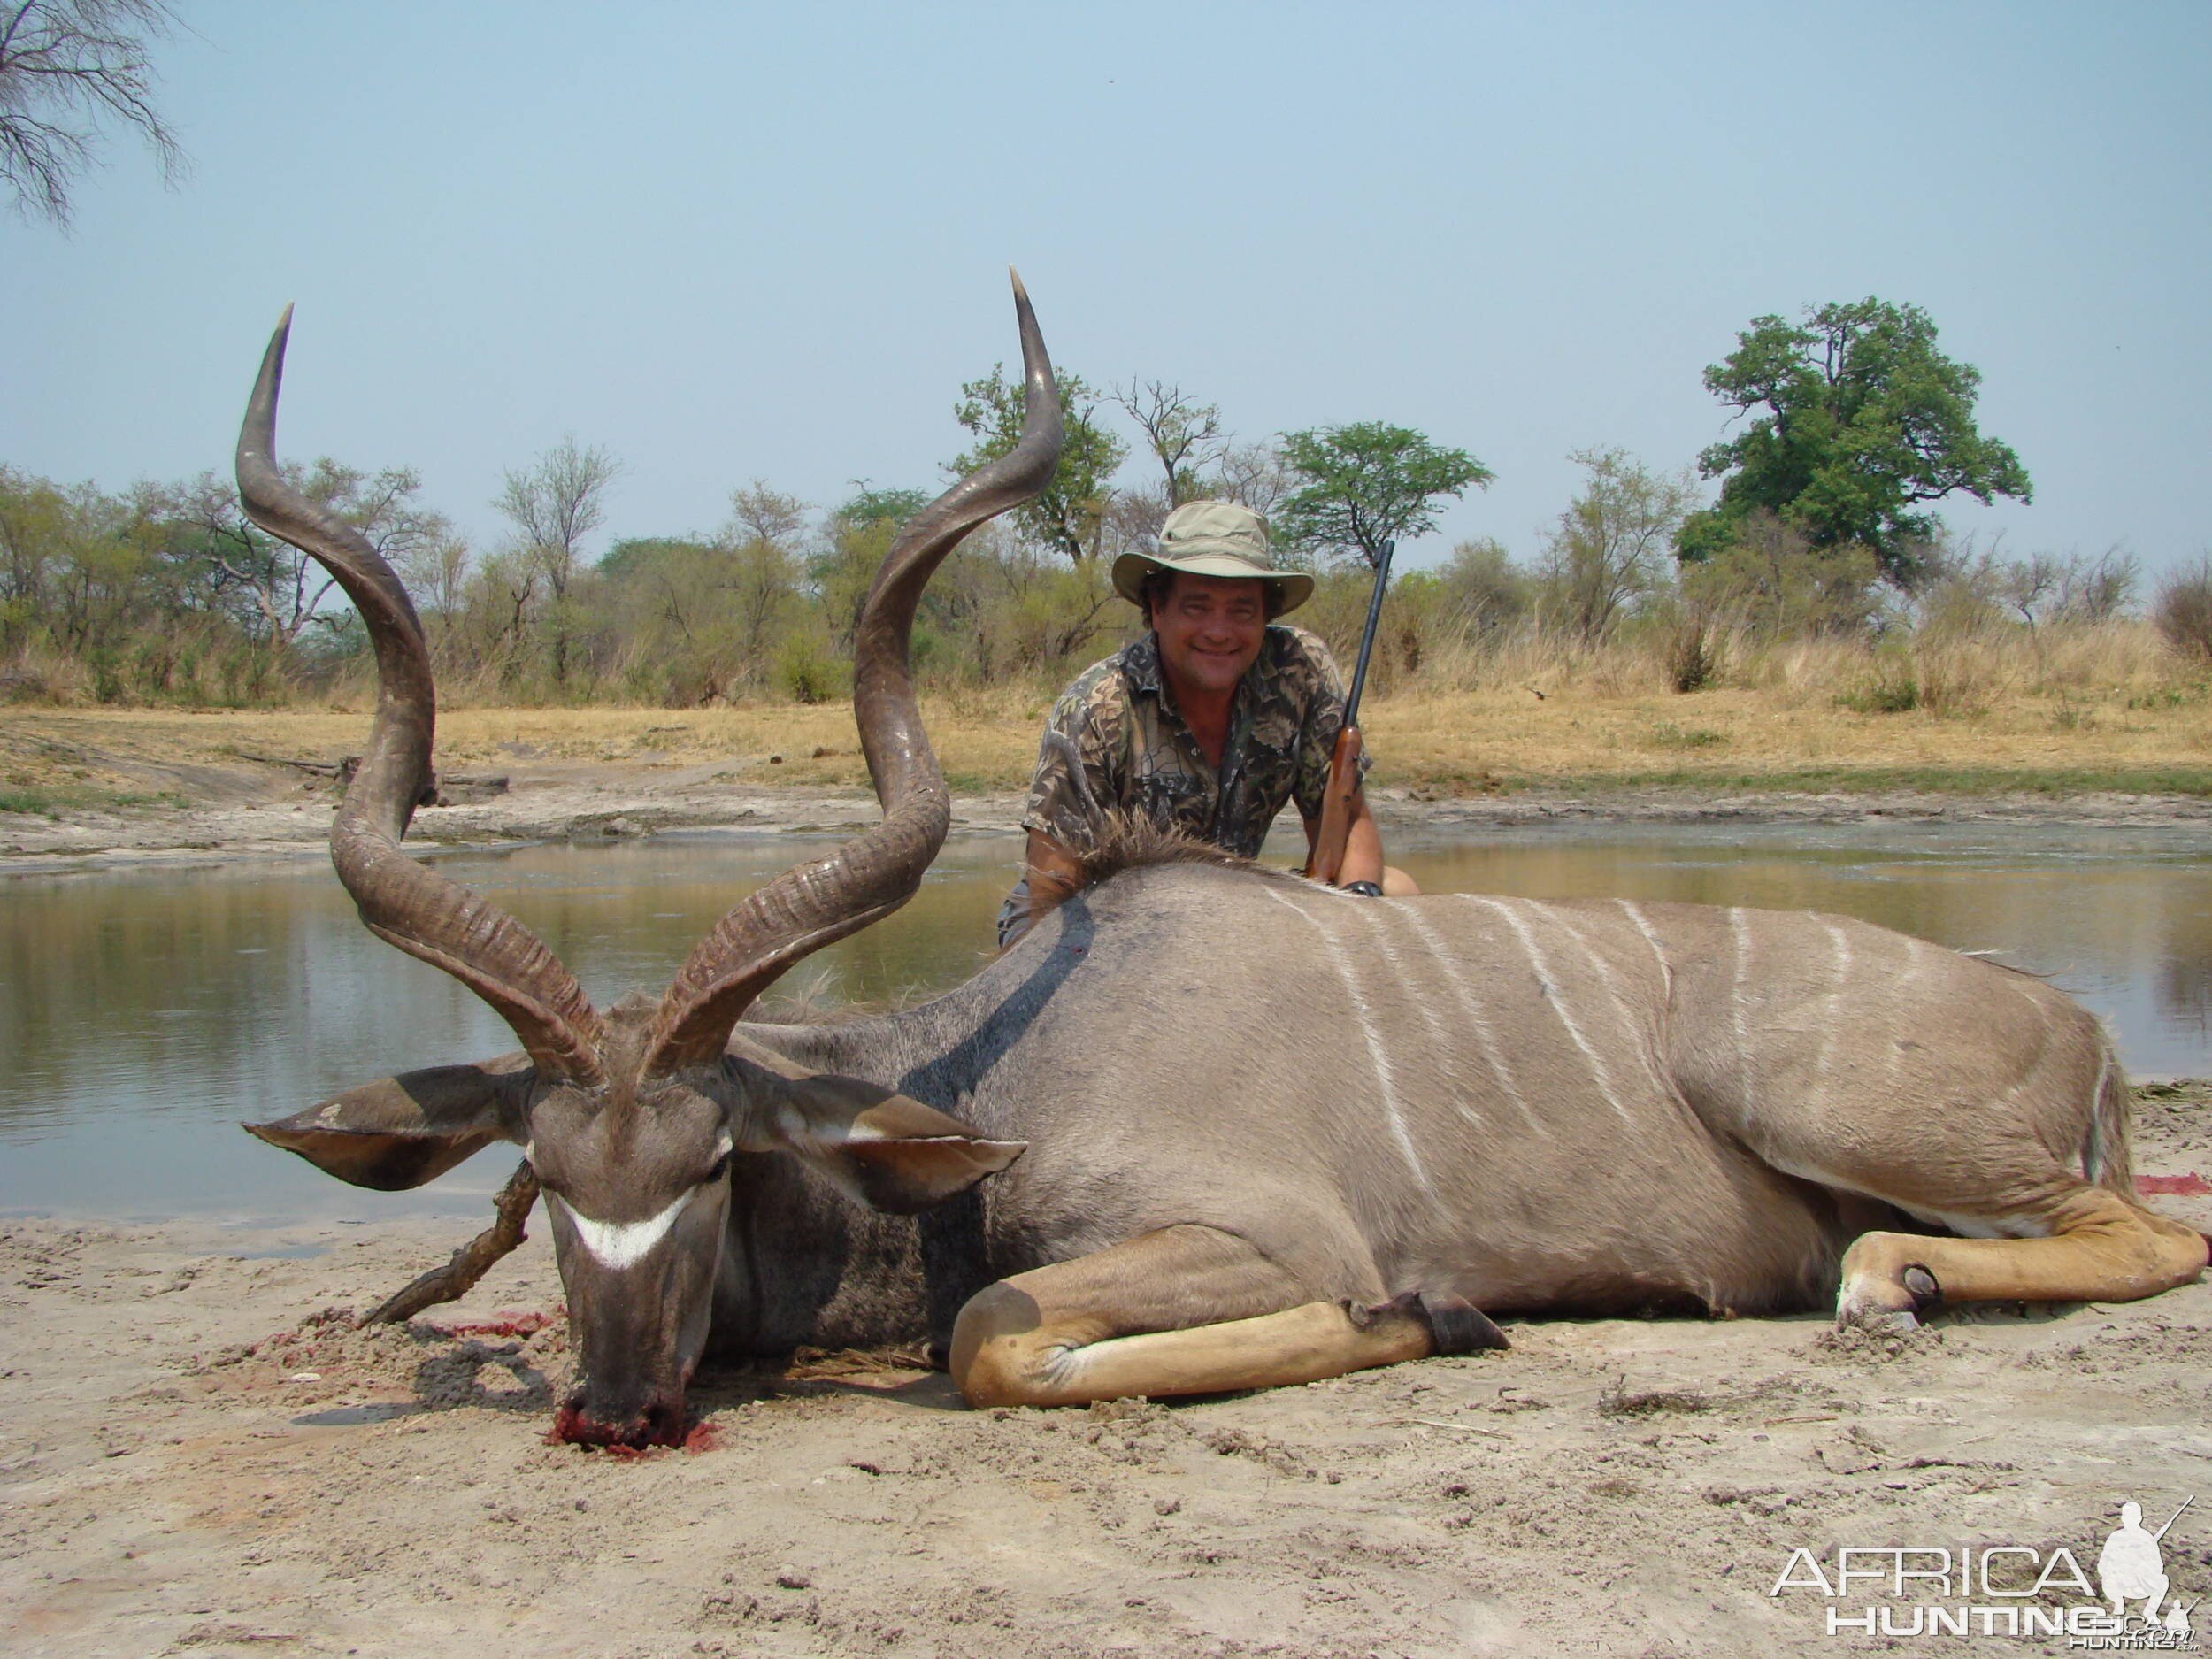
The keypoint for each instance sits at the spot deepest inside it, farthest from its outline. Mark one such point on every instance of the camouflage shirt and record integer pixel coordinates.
(1120, 721)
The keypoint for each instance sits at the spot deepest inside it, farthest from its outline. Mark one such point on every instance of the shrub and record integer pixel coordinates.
(1692, 649)
(807, 671)
(2183, 609)
(1891, 689)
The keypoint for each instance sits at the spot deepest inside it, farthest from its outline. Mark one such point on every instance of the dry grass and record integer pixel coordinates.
(2086, 708)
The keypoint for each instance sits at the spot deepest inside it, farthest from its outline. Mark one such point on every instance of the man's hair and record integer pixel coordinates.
(1157, 584)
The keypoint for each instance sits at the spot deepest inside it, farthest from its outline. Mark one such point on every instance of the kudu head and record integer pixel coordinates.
(630, 1117)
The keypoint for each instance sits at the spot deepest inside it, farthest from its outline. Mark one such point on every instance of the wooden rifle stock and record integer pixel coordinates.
(1342, 793)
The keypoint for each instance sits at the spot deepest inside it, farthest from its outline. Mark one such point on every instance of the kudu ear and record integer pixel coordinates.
(400, 1131)
(881, 1148)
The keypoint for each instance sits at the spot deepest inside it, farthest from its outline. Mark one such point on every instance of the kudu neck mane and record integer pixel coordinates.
(1123, 842)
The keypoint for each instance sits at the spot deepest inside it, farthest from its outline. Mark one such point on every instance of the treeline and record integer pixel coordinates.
(167, 595)
(1819, 537)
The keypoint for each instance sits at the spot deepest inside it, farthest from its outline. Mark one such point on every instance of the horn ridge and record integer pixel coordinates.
(400, 901)
(817, 902)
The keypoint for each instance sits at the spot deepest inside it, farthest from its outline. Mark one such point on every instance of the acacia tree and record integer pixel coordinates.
(1369, 483)
(1070, 512)
(1857, 422)
(554, 503)
(66, 67)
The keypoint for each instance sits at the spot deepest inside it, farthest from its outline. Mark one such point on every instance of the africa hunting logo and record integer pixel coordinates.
(2004, 1590)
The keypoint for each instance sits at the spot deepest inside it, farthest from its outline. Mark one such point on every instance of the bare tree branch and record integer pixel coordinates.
(68, 67)
(1184, 434)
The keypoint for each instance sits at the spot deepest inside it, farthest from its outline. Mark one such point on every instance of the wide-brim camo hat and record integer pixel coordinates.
(1213, 538)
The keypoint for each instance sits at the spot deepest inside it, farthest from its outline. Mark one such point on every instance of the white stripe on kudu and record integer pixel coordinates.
(1542, 966)
(1741, 934)
(1377, 1055)
(1635, 915)
(1843, 979)
(1632, 1028)
(1380, 920)
(1478, 1023)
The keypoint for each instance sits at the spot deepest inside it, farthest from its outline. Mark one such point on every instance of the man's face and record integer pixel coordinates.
(1209, 629)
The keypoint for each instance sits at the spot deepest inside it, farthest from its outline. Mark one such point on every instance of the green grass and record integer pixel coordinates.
(2196, 781)
(52, 803)
(1667, 734)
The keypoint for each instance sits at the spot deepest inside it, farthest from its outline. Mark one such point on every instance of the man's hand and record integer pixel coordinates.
(1364, 870)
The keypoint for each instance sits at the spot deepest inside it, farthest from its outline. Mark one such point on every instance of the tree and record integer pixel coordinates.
(1069, 513)
(1610, 546)
(1255, 475)
(1183, 434)
(1369, 483)
(1857, 420)
(870, 506)
(554, 503)
(275, 590)
(67, 66)
(1480, 588)
(761, 513)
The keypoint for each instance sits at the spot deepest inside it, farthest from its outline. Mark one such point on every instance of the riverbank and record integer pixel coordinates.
(101, 787)
(195, 1458)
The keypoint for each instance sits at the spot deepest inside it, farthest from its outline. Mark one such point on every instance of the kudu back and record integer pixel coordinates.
(1210, 1127)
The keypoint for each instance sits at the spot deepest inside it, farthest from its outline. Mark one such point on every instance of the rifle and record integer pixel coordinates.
(1337, 800)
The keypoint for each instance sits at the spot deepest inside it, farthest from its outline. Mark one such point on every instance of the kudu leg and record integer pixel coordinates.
(2100, 1248)
(1185, 1310)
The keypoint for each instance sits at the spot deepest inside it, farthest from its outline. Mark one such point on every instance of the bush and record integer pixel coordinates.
(807, 671)
(1893, 688)
(1692, 648)
(1776, 584)
(2183, 609)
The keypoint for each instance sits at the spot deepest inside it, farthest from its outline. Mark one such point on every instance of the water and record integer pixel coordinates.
(143, 1015)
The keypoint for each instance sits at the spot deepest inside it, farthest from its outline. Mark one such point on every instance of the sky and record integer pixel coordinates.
(733, 242)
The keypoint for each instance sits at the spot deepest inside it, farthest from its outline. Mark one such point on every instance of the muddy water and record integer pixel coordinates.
(142, 1016)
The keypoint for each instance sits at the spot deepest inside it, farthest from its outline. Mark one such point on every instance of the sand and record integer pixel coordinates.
(198, 1457)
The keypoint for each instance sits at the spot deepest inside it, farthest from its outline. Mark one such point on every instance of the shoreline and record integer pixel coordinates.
(613, 802)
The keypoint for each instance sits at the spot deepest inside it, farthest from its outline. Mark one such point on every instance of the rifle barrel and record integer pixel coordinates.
(2176, 1515)
(1367, 636)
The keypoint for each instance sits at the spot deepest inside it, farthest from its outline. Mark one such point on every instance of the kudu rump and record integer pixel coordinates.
(1210, 1127)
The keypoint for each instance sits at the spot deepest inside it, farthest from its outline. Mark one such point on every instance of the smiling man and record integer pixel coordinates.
(1209, 723)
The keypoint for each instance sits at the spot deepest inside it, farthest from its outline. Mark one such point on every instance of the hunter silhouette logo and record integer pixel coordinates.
(2007, 1590)
(2131, 1566)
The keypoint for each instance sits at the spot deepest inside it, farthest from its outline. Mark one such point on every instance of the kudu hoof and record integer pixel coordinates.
(1876, 1306)
(1455, 1325)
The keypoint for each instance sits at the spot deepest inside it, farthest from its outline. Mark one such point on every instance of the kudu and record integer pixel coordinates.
(1266, 1132)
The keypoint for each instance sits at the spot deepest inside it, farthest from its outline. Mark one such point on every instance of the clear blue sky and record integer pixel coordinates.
(730, 242)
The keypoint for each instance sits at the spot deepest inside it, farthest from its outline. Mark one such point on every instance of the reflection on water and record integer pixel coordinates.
(143, 1015)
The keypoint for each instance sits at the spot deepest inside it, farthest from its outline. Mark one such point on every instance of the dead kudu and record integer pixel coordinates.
(1209, 1127)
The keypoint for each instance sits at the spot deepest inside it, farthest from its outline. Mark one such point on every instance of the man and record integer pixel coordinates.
(1208, 724)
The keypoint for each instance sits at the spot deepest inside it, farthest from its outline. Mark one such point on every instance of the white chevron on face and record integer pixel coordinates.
(620, 1244)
